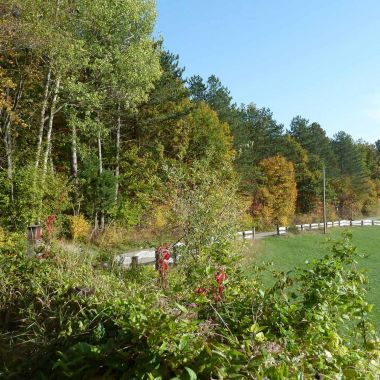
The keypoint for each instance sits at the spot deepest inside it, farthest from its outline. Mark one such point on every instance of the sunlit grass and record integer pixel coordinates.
(288, 252)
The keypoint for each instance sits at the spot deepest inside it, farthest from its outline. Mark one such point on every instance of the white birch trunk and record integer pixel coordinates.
(100, 154)
(74, 166)
(50, 125)
(74, 153)
(102, 221)
(8, 153)
(42, 117)
(118, 142)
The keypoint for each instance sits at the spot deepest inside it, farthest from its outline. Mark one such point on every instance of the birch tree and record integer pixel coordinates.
(122, 65)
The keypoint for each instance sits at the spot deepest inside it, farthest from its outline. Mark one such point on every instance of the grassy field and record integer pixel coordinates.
(288, 252)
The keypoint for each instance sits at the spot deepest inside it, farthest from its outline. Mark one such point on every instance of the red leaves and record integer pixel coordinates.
(220, 277)
(49, 223)
(217, 292)
(163, 256)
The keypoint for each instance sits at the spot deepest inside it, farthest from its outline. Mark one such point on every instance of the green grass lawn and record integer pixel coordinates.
(288, 252)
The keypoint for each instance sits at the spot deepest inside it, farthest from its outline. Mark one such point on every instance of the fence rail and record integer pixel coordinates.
(283, 230)
(148, 257)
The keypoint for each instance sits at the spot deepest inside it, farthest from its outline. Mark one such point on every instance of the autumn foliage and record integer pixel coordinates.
(275, 198)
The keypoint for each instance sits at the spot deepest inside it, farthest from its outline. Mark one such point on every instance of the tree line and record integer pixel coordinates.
(98, 119)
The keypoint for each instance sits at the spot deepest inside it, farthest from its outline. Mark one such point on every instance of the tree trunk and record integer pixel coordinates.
(96, 224)
(100, 154)
(74, 165)
(50, 125)
(74, 153)
(8, 153)
(51, 161)
(102, 222)
(118, 141)
(48, 146)
(42, 117)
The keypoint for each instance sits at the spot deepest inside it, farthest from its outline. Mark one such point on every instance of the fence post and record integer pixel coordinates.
(135, 261)
(339, 222)
(309, 226)
(278, 230)
(362, 223)
(350, 223)
(301, 227)
(243, 235)
(253, 233)
(373, 222)
(156, 256)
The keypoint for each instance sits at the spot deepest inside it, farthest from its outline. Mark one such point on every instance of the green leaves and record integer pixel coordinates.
(129, 328)
(191, 373)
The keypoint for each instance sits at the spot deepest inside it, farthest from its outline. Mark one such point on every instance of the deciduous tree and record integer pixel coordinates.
(275, 200)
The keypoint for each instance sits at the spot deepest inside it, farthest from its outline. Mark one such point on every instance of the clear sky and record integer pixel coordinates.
(316, 58)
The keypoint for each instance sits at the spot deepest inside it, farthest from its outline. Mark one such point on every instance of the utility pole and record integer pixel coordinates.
(324, 200)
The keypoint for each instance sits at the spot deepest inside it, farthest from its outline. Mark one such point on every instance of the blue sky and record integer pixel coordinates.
(316, 58)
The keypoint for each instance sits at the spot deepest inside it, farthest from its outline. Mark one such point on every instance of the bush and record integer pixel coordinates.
(36, 197)
(112, 236)
(130, 213)
(80, 228)
(11, 243)
(61, 318)
(160, 217)
(246, 221)
(204, 207)
(317, 215)
(293, 229)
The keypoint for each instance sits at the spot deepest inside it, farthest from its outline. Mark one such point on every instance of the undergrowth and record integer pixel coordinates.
(67, 316)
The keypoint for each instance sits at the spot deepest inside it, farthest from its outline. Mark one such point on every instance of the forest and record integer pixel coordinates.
(106, 142)
(95, 116)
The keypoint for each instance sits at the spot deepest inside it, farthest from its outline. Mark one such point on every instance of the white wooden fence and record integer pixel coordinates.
(339, 223)
(148, 257)
(281, 230)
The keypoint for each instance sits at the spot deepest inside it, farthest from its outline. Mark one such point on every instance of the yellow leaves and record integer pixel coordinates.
(276, 198)
(6, 101)
(209, 135)
(6, 84)
(160, 216)
(80, 228)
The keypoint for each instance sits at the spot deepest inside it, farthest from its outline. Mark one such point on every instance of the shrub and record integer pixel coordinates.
(36, 197)
(317, 215)
(160, 216)
(80, 228)
(130, 213)
(246, 221)
(204, 207)
(61, 318)
(112, 236)
(293, 229)
(11, 242)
